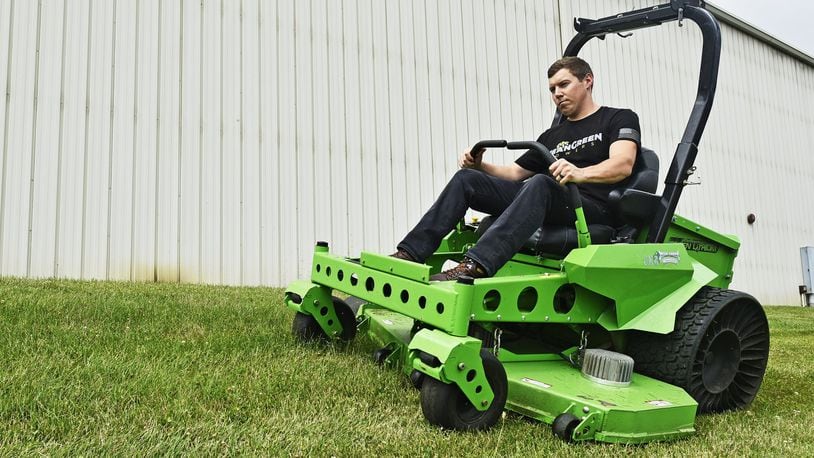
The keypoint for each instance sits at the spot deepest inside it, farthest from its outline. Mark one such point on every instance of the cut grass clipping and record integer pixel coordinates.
(119, 368)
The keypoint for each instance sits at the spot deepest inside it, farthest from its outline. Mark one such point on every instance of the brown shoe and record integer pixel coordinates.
(401, 254)
(467, 268)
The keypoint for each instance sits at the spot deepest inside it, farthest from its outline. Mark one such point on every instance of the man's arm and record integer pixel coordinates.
(617, 167)
(512, 172)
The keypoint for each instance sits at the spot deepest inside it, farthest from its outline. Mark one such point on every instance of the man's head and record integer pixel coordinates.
(571, 81)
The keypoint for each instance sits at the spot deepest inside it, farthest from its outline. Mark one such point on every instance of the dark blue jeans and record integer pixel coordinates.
(519, 206)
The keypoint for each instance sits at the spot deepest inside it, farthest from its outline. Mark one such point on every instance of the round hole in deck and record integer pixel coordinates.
(354, 279)
(422, 302)
(330, 322)
(564, 299)
(405, 296)
(491, 301)
(370, 284)
(478, 389)
(323, 311)
(387, 290)
(439, 307)
(319, 268)
(328, 271)
(340, 275)
(470, 375)
(527, 300)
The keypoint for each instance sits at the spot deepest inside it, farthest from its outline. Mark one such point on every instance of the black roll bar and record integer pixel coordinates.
(684, 158)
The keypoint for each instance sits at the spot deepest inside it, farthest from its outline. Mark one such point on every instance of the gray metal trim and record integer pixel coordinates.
(747, 28)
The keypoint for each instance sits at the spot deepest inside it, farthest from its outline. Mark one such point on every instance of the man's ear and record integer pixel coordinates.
(589, 80)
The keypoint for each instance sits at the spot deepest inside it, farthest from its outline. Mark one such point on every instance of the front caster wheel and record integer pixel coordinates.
(306, 328)
(564, 426)
(446, 406)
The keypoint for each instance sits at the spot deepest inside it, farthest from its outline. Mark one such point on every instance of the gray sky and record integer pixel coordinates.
(787, 20)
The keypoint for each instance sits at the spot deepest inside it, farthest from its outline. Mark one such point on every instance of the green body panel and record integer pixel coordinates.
(645, 410)
(317, 302)
(443, 305)
(647, 282)
(715, 251)
(531, 299)
(460, 363)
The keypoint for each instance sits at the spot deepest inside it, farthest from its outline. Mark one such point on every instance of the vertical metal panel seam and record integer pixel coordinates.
(220, 150)
(61, 132)
(85, 145)
(241, 136)
(5, 129)
(200, 143)
(33, 142)
(261, 162)
(465, 77)
(179, 221)
(359, 93)
(156, 210)
(328, 110)
(313, 119)
(387, 112)
(429, 79)
(135, 137)
(558, 21)
(348, 197)
(500, 95)
(278, 194)
(488, 78)
(110, 141)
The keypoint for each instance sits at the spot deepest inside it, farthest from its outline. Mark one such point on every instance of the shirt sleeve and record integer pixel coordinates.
(532, 160)
(624, 125)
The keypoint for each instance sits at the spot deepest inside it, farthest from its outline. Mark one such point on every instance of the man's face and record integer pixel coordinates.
(568, 92)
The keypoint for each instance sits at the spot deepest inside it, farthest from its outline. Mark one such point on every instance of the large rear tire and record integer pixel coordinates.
(717, 352)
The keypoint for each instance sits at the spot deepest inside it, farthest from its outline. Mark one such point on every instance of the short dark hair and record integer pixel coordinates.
(575, 65)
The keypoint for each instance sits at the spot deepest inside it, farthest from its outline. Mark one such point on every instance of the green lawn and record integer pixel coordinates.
(117, 368)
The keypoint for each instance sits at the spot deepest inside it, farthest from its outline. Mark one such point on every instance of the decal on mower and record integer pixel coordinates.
(696, 245)
(659, 403)
(662, 258)
(536, 382)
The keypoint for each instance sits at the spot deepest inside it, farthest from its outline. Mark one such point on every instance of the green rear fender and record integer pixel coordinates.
(649, 283)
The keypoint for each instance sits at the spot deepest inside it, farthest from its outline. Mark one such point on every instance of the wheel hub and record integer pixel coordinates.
(721, 361)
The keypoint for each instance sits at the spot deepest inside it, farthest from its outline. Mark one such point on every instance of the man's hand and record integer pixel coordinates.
(566, 172)
(470, 159)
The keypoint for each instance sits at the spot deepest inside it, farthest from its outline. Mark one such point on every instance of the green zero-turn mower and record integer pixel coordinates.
(615, 334)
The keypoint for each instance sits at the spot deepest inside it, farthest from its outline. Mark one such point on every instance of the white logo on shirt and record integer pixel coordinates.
(566, 147)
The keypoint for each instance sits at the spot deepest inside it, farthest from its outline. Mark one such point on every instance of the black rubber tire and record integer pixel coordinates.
(306, 328)
(417, 379)
(354, 303)
(564, 426)
(717, 352)
(445, 405)
(380, 355)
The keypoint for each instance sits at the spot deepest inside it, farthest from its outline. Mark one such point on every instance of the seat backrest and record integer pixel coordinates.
(634, 202)
(645, 176)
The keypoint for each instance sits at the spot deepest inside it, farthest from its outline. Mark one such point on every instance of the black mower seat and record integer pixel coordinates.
(633, 206)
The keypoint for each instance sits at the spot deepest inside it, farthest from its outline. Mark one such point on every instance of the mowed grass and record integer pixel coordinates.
(92, 368)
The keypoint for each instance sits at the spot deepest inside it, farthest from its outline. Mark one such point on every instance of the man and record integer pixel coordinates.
(596, 147)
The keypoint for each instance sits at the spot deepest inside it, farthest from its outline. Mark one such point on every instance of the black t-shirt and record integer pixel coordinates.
(586, 142)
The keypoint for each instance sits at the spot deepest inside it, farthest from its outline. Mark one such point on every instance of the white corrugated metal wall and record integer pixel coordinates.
(214, 141)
